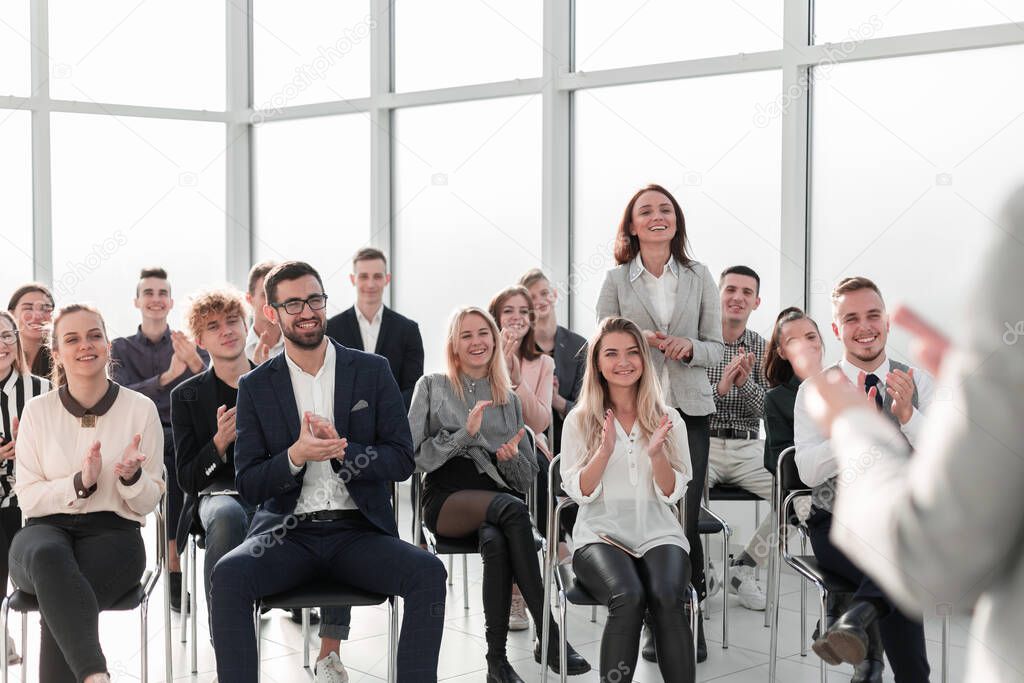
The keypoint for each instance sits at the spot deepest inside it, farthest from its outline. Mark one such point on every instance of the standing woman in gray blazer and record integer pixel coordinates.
(675, 301)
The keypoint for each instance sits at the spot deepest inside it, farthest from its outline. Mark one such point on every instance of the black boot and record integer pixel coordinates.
(847, 639)
(871, 669)
(702, 647)
(174, 589)
(500, 671)
(648, 651)
(575, 664)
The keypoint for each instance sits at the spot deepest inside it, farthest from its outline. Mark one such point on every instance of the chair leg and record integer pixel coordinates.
(167, 587)
(144, 635)
(725, 590)
(757, 523)
(4, 609)
(823, 596)
(465, 582)
(707, 572)
(945, 648)
(694, 615)
(168, 660)
(563, 653)
(593, 614)
(305, 637)
(774, 607)
(192, 614)
(803, 606)
(393, 641)
(451, 565)
(259, 641)
(24, 647)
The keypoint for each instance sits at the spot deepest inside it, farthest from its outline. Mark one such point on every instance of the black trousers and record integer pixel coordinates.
(10, 524)
(76, 566)
(175, 496)
(902, 637)
(658, 583)
(698, 436)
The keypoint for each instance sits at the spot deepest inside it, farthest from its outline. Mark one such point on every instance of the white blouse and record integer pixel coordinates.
(627, 505)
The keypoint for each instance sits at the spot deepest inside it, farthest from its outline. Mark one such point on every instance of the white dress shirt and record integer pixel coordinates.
(252, 340)
(627, 505)
(369, 330)
(322, 488)
(815, 458)
(662, 291)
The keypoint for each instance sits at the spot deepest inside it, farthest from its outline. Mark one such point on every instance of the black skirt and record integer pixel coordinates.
(458, 474)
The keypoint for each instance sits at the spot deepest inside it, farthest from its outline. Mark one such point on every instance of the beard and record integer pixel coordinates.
(305, 340)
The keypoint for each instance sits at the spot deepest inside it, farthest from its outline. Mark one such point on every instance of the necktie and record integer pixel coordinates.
(873, 381)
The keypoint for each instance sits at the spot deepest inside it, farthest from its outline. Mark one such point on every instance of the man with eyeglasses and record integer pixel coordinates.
(153, 361)
(322, 435)
(32, 306)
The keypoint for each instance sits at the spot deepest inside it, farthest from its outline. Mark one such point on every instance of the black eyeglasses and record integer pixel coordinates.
(9, 337)
(294, 306)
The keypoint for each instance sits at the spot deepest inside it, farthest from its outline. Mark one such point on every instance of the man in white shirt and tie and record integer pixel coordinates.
(901, 394)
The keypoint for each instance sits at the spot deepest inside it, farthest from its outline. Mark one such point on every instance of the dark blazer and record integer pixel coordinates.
(570, 356)
(368, 411)
(778, 421)
(399, 341)
(194, 423)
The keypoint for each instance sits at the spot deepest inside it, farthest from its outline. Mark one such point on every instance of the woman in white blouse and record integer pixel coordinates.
(86, 483)
(625, 460)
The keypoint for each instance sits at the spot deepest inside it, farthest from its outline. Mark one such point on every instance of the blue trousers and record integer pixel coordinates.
(351, 551)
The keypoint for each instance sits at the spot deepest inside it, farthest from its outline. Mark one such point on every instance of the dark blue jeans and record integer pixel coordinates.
(352, 551)
(902, 637)
(225, 521)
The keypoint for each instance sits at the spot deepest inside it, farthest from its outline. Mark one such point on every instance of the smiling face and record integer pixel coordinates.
(653, 219)
(619, 359)
(82, 348)
(223, 336)
(34, 311)
(370, 278)
(306, 328)
(739, 297)
(154, 299)
(514, 315)
(8, 351)
(475, 344)
(797, 337)
(544, 297)
(861, 323)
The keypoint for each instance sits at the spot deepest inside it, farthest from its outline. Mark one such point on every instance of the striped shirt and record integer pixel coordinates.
(15, 392)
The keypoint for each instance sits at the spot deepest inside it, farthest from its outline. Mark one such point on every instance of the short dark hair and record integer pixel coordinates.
(369, 254)
(257, 272)
(28, 288)
(286, 271)
(154, 271)
(852, 284)
(741, 270)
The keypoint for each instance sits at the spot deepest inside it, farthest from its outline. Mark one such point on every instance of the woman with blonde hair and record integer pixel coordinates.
(468, 435)
(626, 462)
(89, 471)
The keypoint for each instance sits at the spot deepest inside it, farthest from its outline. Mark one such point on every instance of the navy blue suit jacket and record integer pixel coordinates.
(368, 411)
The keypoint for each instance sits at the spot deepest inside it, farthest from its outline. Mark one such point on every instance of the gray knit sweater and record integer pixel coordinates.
(437, 418)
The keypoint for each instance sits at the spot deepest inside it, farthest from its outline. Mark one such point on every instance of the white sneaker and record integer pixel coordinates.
(330, 670)
(744, 585)
(517, 619)
(12, 652)
(712, 582)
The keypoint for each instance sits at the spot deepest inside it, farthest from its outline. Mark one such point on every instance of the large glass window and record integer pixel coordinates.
(837, 21)
(168, 54)
(15, 201)
(705, 140)
(633, 32)
(132, 193)
(445, 43)
(908, 181)
(467, 207)
(316, 52)
(14, 49)
(313, 196)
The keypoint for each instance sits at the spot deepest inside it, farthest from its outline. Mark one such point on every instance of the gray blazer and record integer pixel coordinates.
(697, 316)
(947, 532)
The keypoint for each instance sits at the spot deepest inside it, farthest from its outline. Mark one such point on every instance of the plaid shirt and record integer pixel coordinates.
(742, 407)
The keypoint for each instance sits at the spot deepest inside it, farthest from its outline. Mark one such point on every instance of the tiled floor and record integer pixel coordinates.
(463, 647)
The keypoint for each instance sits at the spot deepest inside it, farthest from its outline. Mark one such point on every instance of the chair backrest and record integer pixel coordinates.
(788, 474)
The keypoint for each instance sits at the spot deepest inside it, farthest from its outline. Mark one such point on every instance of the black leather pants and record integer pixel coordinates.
(658, 582)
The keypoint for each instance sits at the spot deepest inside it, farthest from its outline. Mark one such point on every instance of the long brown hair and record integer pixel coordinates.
(778, 370)
(528, 344)
(497, 371)
(20, 364)
(593, 401)
(57, 376)
(628, 246)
